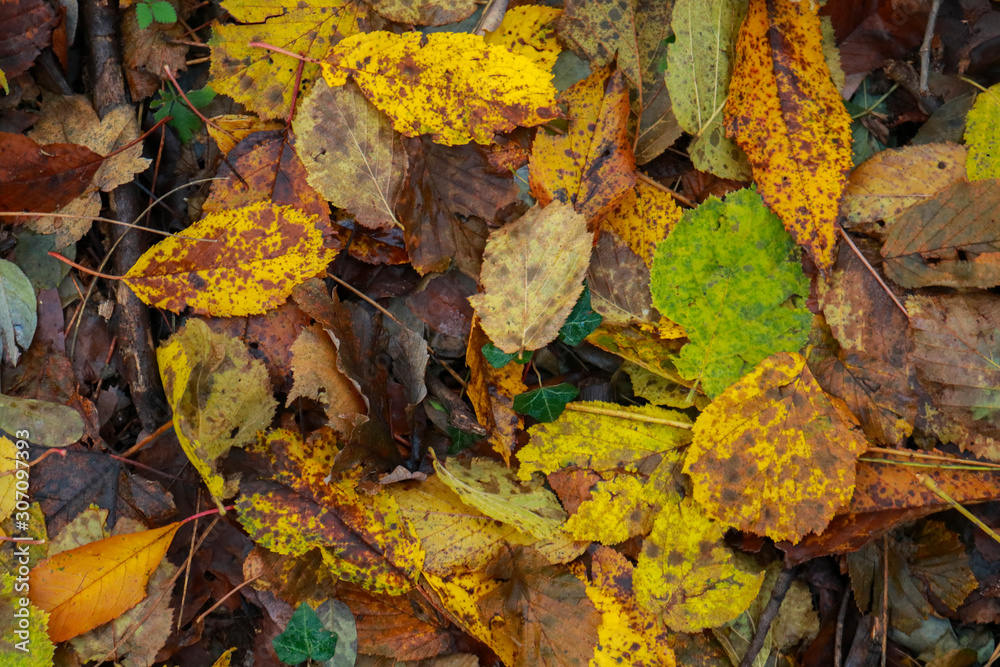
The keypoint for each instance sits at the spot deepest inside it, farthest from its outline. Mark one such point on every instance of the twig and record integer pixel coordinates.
(148, 439)
(871, 270)
(492, 17)
(838, 642)
(885, 596)
(925, 48)
(659, 186)
(634, 416)
(941, 493)
(781, 586)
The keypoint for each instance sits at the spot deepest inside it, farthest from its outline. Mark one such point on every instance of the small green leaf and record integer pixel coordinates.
(164, 12)
(461, 440)
(184, 120)
(143, 15)
(545, 403)
(582, 320)
(305, 638)
(497, 358)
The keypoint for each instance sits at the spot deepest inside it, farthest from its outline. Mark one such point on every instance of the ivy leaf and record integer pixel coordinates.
(184, 120)
(582, 321)
(545, 403)
(729, 275)
(497, 358)
(305, 638)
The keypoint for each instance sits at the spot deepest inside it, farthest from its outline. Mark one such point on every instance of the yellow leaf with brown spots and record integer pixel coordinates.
(262, 80)
(255, 256)
(591, 166)
(644, 218)
(453, 86)
(687, 574)
(532, 275)
(492, 391)
(786, 113)
(528, 31)
(774, 454)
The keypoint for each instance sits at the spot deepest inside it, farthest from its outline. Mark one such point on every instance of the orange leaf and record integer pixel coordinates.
(592, 166)
(97, 582)
(785, 112)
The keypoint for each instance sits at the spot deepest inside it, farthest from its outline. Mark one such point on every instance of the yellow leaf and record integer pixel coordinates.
(8, 475)
(230, 129)
(786, 113)
(650, 350)
(460, 596)
(255, 256)
(492, 391)
(774, 454)
(352, 155)
(220, 398)
(493, 490)
(644, 218)
(687, 574)
(264, 81)
(980, 136)
(591, 166)
(452, 86)
(25, 642)
(97, 582)
(532, 276)
(526, 30)
(425, 12)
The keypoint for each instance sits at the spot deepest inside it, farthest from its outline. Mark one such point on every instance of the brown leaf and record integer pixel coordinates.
(405, 627)
(42, 178)
(451, 194)
(443, 303)
(147, 51)
(619, 283)
(25, 28)
(492, 392)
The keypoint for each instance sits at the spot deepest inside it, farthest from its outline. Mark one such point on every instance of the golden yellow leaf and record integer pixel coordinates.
(532, 276)
(425, 12)
(219, 395)
(526, 30)
(230, 129)
(352, 155)
(264, 81)
(591, 166)
(644, 218)
(95, 583)
(786, 113)
(688, 575)
(774, 454)
(452, 86)
(255, 256)
(492, 391)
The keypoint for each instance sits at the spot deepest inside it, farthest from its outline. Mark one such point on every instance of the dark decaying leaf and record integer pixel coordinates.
(25, 28)
(42, 178)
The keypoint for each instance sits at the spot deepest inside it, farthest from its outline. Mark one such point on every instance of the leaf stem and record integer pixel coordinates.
(78, 267)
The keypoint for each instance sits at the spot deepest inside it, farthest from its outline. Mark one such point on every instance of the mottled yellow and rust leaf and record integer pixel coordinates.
(492, 391)
(220, 398)
(461, 595)
(532, 275)
(688, 575)
(452, 86)
(425, 12)
(591, 166)
(262, 80)
(255, 256)
(527, 30)
(774, 454)
(786, 113)
(644, 218)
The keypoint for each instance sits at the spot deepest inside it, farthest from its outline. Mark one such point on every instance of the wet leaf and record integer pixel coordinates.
(545, 403)
(456, 87)
(774, 454)
(532, 276)
(591, 166)
(786, 113)
(729, 275)
(255, 256)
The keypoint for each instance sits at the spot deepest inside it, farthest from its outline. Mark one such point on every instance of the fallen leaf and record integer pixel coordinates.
(532, 276)
(228, 130)
(644, 218)
(42, 178)
(255, 256)
(425, 12)
(786, 113)
(729, 275)
(61, 424)
(95, 583)
(314, 364)
(42, 649)
(773, 454)
(952, 240)
(352, 155)
(492, 391)
(686, 573)
(147, 52)
(25, 29)
(457, 88)
(528, 30)
(699, 66)
(264, 81)
(984, 150)
(590, 167)
(18, 318)
(220, 398)
(619, 282)
(545, 403)
(581, 321)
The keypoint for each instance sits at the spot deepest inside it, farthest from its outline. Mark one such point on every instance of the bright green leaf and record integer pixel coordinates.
(305, 638)
(164, 12)
(729, 274)
(143, 15)
(185, 121)
(545, 403)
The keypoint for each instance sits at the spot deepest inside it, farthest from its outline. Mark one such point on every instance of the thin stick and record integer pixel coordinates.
(885, 595)
(633, 416)
(492, 17)
(940, 493)
(838, 642)
(925, 47)
(659, 186)
(278, 49)
(781, 586)
(930, 457)
(94, 218)
(872, 270)
(224, 598)
(148, 439)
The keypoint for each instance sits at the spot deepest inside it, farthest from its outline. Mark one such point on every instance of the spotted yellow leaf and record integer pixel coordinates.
(644, 218)
(786, 113)
(528, 31)
(453, 86)
(774, 454)
(251, 260)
